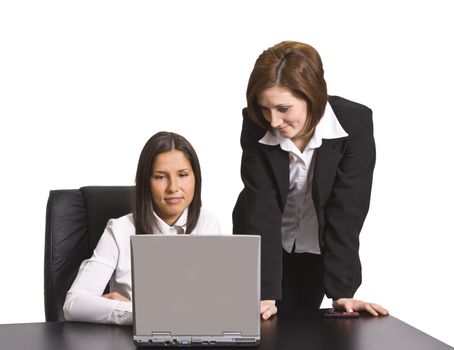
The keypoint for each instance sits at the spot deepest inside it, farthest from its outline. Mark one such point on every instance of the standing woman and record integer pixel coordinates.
(307, 166)
(167, 202)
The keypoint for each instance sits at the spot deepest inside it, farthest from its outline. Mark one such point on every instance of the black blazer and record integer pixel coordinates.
(341, 190)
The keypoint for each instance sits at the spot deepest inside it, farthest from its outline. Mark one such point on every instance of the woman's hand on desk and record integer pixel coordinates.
(349, 305)
(268, 308)
(115, 296)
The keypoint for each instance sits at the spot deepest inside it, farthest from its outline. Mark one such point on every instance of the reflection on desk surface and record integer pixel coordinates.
(310, 331)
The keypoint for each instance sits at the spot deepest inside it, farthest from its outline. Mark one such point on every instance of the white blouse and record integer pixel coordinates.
(111, 263)
(299, 219)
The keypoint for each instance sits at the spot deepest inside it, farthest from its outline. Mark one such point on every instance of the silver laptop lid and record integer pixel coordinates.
(196, 290)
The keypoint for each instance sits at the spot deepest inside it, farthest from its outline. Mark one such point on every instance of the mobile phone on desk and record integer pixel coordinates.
(341, 314)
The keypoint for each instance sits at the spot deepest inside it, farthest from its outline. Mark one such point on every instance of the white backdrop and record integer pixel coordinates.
(84, 84)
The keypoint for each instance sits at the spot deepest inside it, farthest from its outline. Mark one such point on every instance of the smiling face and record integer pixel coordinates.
(172, 184)
(284, 111)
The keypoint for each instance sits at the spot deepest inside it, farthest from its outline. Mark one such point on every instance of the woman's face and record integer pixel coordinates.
(172, 185)
(283, 110)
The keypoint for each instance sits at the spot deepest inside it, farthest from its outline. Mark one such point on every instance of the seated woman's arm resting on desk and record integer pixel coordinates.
(168, 202)
(286, 81)
(85, 300)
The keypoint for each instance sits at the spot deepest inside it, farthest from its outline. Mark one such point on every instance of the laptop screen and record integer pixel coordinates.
(196, 289)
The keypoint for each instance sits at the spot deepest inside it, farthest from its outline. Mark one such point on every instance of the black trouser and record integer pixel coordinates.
(302, 282)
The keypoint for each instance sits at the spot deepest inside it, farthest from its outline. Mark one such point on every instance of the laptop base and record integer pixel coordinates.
(152, 341)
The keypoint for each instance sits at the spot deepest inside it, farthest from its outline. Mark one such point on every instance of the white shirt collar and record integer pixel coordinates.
(178, 227)
(327, 128)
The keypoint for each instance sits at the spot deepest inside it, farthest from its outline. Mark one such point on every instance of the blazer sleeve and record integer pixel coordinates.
(257, 209)
(346, 210)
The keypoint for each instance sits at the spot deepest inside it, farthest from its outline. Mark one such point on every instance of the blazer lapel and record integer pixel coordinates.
(278, 160)
(326, 161)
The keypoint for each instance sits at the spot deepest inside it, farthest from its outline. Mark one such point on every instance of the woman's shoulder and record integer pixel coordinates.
(123, 226)
(207, 215)
(251, 129)
(341, 104)
(351, 115)
(208, 223)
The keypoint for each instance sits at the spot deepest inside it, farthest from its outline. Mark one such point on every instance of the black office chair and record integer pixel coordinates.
(75, 220)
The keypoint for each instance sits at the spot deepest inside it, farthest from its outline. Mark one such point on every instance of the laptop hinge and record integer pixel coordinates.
(160, 334)
(231, 334)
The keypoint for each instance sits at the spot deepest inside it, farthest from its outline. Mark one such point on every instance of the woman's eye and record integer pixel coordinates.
(184, 174)
(265, 112)
(283, 109)
(158, 177)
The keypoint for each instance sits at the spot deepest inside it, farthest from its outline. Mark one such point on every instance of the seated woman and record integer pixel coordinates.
(167, 202)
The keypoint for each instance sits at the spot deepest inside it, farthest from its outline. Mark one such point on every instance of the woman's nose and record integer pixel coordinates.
(172, 185)
(275, 119)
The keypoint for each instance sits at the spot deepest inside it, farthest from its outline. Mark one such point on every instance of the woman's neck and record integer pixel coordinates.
(302, 141)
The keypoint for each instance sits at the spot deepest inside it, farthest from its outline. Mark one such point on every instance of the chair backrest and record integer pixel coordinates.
(75, 220)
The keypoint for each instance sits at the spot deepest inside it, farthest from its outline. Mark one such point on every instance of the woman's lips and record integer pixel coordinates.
(282, 127)
(173, 200)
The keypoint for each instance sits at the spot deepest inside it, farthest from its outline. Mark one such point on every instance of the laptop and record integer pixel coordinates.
(196, 290)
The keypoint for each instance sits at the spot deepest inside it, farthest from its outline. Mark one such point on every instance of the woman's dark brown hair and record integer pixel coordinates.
(295, 66)
(144, 219)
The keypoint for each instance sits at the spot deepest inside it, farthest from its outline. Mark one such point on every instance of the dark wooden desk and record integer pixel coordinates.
(282, 332)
